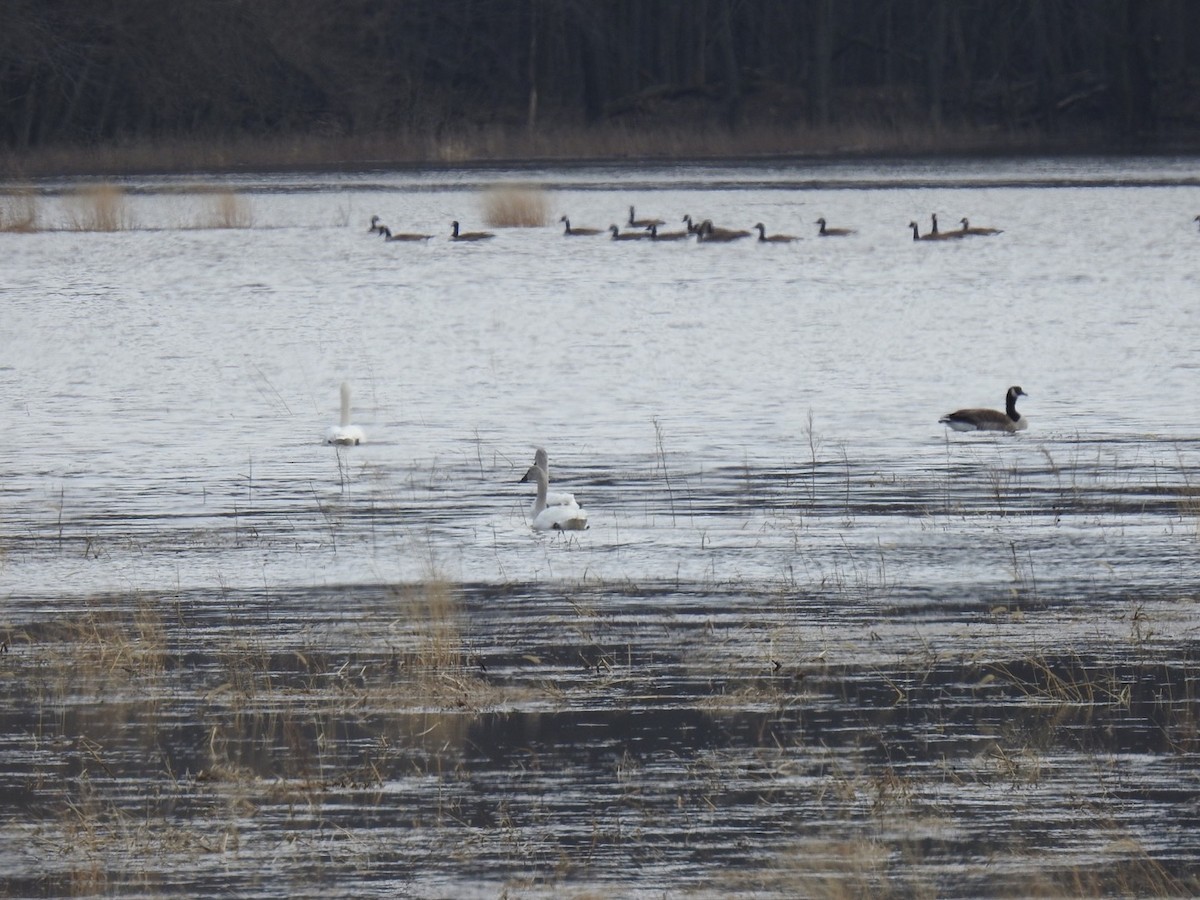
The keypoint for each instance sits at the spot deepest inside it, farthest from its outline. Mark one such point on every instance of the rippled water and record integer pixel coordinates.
(811, 642)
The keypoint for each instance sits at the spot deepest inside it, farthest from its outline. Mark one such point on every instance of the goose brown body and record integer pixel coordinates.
(578, 232)
(989, 419)
(967, 229)
(619, 235)
(635, 222)
(456, 235)
(826, 231)
(402, 236)
(764, 238)
(942, 236)
(656, 235)
(707, 232)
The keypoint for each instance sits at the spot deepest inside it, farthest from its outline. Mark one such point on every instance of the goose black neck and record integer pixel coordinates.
(1010, 406)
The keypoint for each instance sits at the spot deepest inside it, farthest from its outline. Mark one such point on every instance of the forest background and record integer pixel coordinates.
(171, 85)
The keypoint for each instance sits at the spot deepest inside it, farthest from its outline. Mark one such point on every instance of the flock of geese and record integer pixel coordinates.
(647, 229)
(561, 512)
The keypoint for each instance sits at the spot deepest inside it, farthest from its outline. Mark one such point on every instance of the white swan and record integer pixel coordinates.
(345, 435)
(556, 498)
(552, 518)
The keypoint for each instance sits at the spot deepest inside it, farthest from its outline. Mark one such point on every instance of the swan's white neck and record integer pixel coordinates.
(345, 404)
(543, 489)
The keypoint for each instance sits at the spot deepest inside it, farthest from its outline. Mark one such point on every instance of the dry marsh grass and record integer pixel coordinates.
(99, 207)
(516, 206)
(227, 209)
(102, 650)
(615, 140)
(19, 211)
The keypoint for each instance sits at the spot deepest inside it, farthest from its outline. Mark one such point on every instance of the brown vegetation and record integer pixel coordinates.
(98, 207)
(19, 211)
(516, 206)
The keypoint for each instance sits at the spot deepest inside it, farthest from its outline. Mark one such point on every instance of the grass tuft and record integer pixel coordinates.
(19, 212)
(227, 209)
(99, 207)
(516, 206)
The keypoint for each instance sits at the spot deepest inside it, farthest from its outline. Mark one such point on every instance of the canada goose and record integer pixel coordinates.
(933, 226)
(967, 229)
(833, 232)
(990, 419)
(469, 235)
(578, 232)
(642, 223)
(619, 235)
(552, 518)
(402, 236)
(773, 239)
(944, 236)
(376, 227)
(706, 232)
(558, 498)
(656, 235)
(345, 434)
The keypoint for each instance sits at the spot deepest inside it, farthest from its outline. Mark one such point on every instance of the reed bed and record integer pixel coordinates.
(19, 211)
(617, 140)
(516, 206)
(227, 209)
(98, 207)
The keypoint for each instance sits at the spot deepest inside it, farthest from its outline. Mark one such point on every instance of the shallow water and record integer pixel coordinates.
(810, 639)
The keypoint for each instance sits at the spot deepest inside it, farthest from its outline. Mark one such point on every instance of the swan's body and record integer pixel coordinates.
(402, 236)
(345, 434)
(455, 235)
(707, 232)
(619, 235)
(826, 231)
(967, 229)
(656, 235)
(945, 236)
(376, 227)
(565, 517)
(990, 419)
(764, 238)
(578, 232)
(553, 498)
(635, 222)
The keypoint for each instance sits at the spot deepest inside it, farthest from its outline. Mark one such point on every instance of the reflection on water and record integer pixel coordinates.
(811, 644)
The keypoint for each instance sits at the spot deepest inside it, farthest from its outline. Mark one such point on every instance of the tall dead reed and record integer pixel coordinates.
(516, 206)
(227, 209)
(98, 207)
(19, 211)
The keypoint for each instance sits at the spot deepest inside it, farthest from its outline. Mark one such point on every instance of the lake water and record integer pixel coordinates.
(812, 643)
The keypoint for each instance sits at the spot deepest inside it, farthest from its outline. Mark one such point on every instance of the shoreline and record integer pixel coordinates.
(505, 149)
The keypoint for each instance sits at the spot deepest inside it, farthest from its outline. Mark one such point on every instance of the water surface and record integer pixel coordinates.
(810, 639)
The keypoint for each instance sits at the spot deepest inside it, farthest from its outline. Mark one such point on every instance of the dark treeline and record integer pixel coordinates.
(98, 71)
